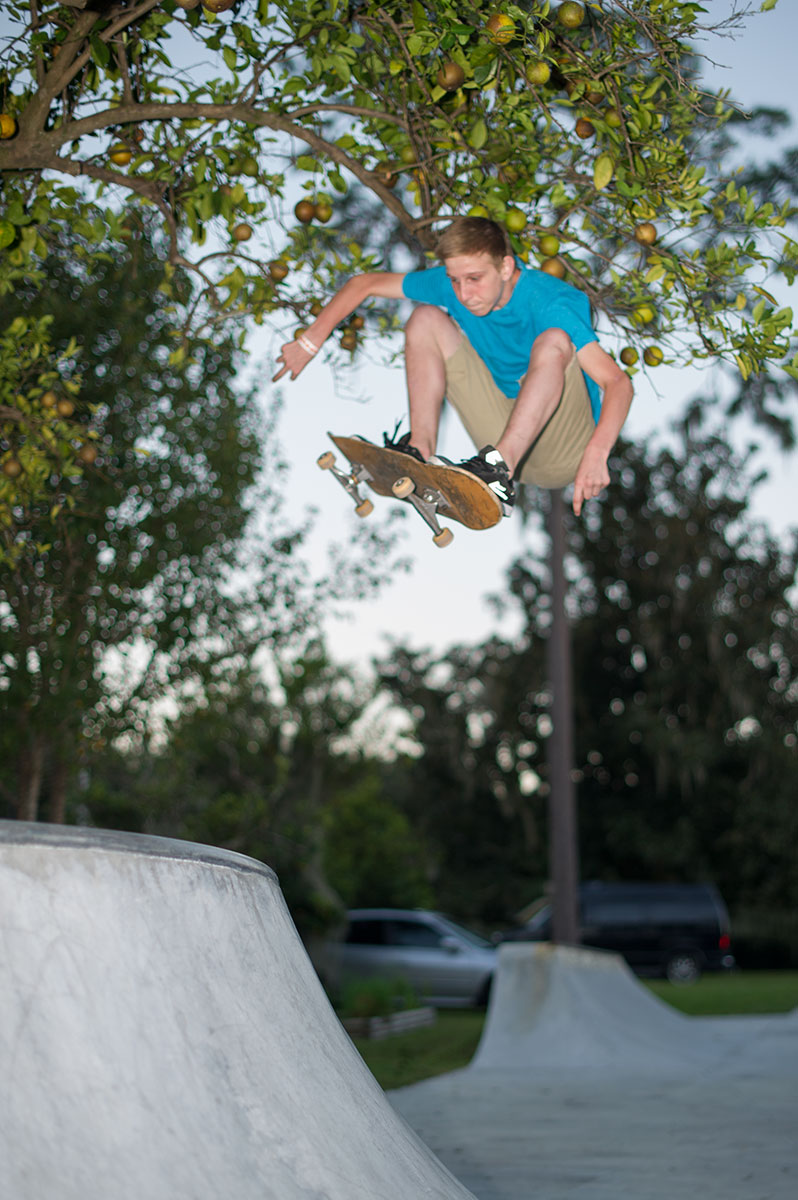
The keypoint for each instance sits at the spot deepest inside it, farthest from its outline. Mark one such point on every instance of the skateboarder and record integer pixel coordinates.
(514, 351)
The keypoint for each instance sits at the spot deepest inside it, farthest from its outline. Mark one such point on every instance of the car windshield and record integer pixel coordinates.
(467, 934)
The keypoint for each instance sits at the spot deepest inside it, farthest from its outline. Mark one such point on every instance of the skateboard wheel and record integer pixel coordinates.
(364, 508)
(402, 488)
(326, 460)
(444, 538)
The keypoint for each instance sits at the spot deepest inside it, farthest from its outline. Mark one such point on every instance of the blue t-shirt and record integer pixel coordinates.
(503, 339)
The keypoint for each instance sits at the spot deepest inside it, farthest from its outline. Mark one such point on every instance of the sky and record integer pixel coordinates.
(443, 599)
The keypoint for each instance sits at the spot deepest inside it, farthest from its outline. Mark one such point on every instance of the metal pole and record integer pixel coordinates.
(563, 834)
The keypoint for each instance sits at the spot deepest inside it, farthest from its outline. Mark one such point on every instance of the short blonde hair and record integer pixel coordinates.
(474, 235)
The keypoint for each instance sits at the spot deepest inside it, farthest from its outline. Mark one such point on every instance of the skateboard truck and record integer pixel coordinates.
(426, 503)
(349, 480)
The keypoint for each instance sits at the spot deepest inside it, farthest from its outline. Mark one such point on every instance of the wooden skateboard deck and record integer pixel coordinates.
(431, 489)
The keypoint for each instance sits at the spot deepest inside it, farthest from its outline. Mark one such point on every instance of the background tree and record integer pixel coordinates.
(685, 645)
(467, 794)
(268, 768)
(37, 428)
(689, 672)
(374, 853)
(132, 594)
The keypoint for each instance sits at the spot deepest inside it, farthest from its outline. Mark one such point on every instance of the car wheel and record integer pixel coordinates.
(683, 967)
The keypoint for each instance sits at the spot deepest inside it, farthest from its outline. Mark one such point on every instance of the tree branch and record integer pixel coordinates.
(24, 154)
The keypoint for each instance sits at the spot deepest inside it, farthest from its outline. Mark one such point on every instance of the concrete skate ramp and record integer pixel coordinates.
(585, 1088)
(563, 1007)
(164, 1036)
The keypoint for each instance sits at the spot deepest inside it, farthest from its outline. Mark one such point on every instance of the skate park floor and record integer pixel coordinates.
(587, 1087)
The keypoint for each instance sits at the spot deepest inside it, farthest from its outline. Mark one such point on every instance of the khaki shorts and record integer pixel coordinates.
(554, 456)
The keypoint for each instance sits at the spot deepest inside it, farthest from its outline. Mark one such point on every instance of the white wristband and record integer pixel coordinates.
(307, 344)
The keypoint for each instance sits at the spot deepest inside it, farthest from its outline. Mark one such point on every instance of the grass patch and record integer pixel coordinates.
(408, 1057)
(739, 992)
(450, 1043)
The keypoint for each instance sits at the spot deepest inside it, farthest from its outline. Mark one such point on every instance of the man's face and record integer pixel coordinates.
(478, 283)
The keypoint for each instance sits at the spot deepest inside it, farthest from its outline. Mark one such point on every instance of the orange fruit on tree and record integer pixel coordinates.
(538, 72)
(305, 211)
(571, 14)
(387, 177)
(584, 128)
(515, 220)
(8, 126)
(646, 233)
(644, 314)
(120, 154)
(553, 266)
(241, 232)
(549, 244)
(450, 77)
(500, 28)
(629, 356)
(652, 356)
(12, 468)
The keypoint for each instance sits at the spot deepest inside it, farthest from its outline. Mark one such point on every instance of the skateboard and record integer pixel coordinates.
(430, 488)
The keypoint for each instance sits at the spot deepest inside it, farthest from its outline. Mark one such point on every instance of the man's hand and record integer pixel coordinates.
(294, 359)
(592, 476)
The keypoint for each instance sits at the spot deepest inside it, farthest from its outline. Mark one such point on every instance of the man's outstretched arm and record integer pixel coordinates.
(294, 356)
(593, 474)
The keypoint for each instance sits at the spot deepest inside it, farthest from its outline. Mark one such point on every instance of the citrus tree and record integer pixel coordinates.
(43, 451)
(246, 123)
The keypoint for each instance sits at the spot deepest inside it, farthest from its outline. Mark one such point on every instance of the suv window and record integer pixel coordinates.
(611, 912)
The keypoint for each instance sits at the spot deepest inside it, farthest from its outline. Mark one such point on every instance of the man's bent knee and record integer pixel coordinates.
(553, 343)
(428, 322)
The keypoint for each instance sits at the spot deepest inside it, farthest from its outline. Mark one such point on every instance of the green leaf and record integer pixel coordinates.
(603, 171)
(761, 292)
(99, 51)
(7, 234)
(478, 135)
(230, 57)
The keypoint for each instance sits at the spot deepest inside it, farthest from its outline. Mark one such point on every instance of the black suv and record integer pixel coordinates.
(672, 929)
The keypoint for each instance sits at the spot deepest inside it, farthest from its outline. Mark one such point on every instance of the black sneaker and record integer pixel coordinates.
(402, 444)
(489, 466)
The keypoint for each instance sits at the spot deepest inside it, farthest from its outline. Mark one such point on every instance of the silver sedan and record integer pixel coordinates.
(447, 965)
